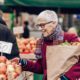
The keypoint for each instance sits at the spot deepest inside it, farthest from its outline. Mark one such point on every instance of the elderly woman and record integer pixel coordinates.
(51, 34)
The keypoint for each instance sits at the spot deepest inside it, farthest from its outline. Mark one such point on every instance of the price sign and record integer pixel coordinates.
(18, 30)
(5, 47)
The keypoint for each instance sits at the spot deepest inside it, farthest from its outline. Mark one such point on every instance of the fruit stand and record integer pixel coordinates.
(12, 70)
(27, 51)
(21, 76)
(9, 70)
(27, 45)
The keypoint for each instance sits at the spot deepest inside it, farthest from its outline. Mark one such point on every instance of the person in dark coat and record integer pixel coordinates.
(1, 18)
(51, 34)
(7, 36)
(26, 33)
(2, 21)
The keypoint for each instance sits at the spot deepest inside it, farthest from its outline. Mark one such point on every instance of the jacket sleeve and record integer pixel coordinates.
(33, 66)
(74, 72)
(11, 38)
(70, 37)
(75, 38)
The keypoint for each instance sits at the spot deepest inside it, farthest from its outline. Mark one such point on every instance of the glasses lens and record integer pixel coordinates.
(43, 24)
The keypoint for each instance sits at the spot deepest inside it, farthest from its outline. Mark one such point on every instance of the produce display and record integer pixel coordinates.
(27, 45)
(9, 70)
(75, 43)
(71, 43)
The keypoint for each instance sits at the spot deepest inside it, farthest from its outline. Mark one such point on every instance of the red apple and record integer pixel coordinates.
(14, 74)
(10, 68)
(18, 69)
(3, 77)
(8, 62)
(3, 68)
(28, 46)
(3, 59)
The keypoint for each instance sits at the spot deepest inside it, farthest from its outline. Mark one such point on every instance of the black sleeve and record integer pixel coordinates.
(15, 51)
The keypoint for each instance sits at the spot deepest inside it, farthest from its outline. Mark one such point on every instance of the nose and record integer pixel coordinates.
(42, 27)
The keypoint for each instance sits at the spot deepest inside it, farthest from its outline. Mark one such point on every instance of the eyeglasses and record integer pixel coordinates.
(42, 25)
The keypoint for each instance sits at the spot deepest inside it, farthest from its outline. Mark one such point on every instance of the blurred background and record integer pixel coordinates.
(20, 13)
(16, 12)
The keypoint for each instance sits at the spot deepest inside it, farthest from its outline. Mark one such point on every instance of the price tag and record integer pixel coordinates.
(18, 30)
(5, 47)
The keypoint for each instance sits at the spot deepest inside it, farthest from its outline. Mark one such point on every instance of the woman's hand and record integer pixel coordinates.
(16, 60)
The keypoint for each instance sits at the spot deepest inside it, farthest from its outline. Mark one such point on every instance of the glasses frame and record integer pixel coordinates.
(42, 25)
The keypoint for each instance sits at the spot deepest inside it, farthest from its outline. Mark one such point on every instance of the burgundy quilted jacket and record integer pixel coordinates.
(40, 65)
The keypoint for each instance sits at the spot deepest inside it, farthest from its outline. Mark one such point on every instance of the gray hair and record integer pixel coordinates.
(48, 15)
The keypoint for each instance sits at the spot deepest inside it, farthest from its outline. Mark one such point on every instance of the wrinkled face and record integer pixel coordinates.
(47, 28)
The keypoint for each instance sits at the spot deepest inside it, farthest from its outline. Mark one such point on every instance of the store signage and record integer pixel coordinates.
(5, 47)
(18, 30)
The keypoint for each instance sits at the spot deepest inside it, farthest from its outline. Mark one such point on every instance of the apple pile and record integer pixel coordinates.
(71, 43)
(27, 45)
(9, 70)
(75, 43)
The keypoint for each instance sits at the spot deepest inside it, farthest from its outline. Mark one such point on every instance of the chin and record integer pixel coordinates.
(45, 35)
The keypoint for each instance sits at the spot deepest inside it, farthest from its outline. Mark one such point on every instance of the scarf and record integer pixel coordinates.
(56, 35)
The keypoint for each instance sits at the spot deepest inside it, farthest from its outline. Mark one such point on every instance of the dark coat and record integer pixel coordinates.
(26, 33)
(2, 21)
(7, 36)
(40, 65)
